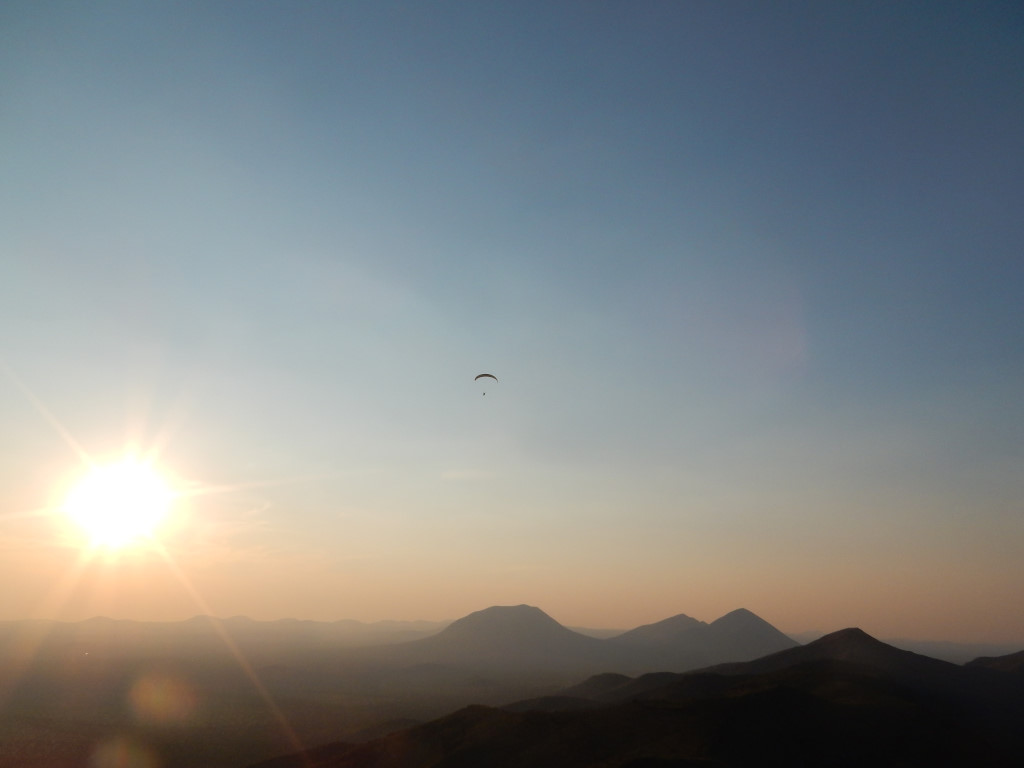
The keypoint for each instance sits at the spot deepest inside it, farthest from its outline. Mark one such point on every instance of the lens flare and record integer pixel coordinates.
(121, 752)
(162, 699)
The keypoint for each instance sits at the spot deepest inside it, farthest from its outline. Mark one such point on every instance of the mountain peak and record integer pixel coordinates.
(510, 635)
(741, 617)
(848, 635)
(503, 625)
(668, 630)
(741, 612)
(742, 634)
(855, 646)
(506, 615)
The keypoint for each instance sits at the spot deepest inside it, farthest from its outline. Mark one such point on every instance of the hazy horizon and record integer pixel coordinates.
(748, 274)
(802, 634)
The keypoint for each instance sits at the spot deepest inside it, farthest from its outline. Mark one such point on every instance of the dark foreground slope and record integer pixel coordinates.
(1013, 662)
(846, 700)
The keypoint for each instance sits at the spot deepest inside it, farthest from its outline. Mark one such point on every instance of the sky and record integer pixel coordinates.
(750, 276)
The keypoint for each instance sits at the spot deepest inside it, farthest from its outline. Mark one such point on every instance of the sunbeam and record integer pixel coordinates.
(229, 643)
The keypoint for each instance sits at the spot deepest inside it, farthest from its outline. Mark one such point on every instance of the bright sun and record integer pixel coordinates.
(119, 504)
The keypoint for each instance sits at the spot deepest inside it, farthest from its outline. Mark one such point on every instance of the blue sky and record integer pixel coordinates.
(750, 275)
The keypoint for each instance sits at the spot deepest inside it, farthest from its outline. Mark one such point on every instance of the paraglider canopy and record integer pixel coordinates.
(483, 379)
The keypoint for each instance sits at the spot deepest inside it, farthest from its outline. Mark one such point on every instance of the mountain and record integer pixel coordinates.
(848, 645)
(741, 635)
(506, 638)
(851, 647)
(681, 642)
(506, 628)
(524, 638)
(845, 700)
(958, 653)
(1013, 662)
(671, 630)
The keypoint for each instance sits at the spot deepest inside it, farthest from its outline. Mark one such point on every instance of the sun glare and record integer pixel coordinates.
(119, 504)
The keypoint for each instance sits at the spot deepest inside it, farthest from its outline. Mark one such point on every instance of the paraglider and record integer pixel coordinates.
(485, 376)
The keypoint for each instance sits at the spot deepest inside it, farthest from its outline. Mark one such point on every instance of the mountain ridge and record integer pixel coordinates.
(525, 637)
(845, 699)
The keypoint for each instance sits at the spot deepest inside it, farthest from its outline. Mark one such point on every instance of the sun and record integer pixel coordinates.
(119, 504)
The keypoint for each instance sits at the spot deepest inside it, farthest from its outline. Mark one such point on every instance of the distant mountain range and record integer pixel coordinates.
(846, 699)
(684, 642)
(344, 633)
(523, 638)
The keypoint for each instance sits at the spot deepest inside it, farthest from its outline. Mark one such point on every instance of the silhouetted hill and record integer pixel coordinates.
(845, 700)
(958, 653)
(670, 630)
(681, 642)
(503, 638)
(1013, 662)
(853, 646)
(741, 635)
(779, 725)
(507, 627)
